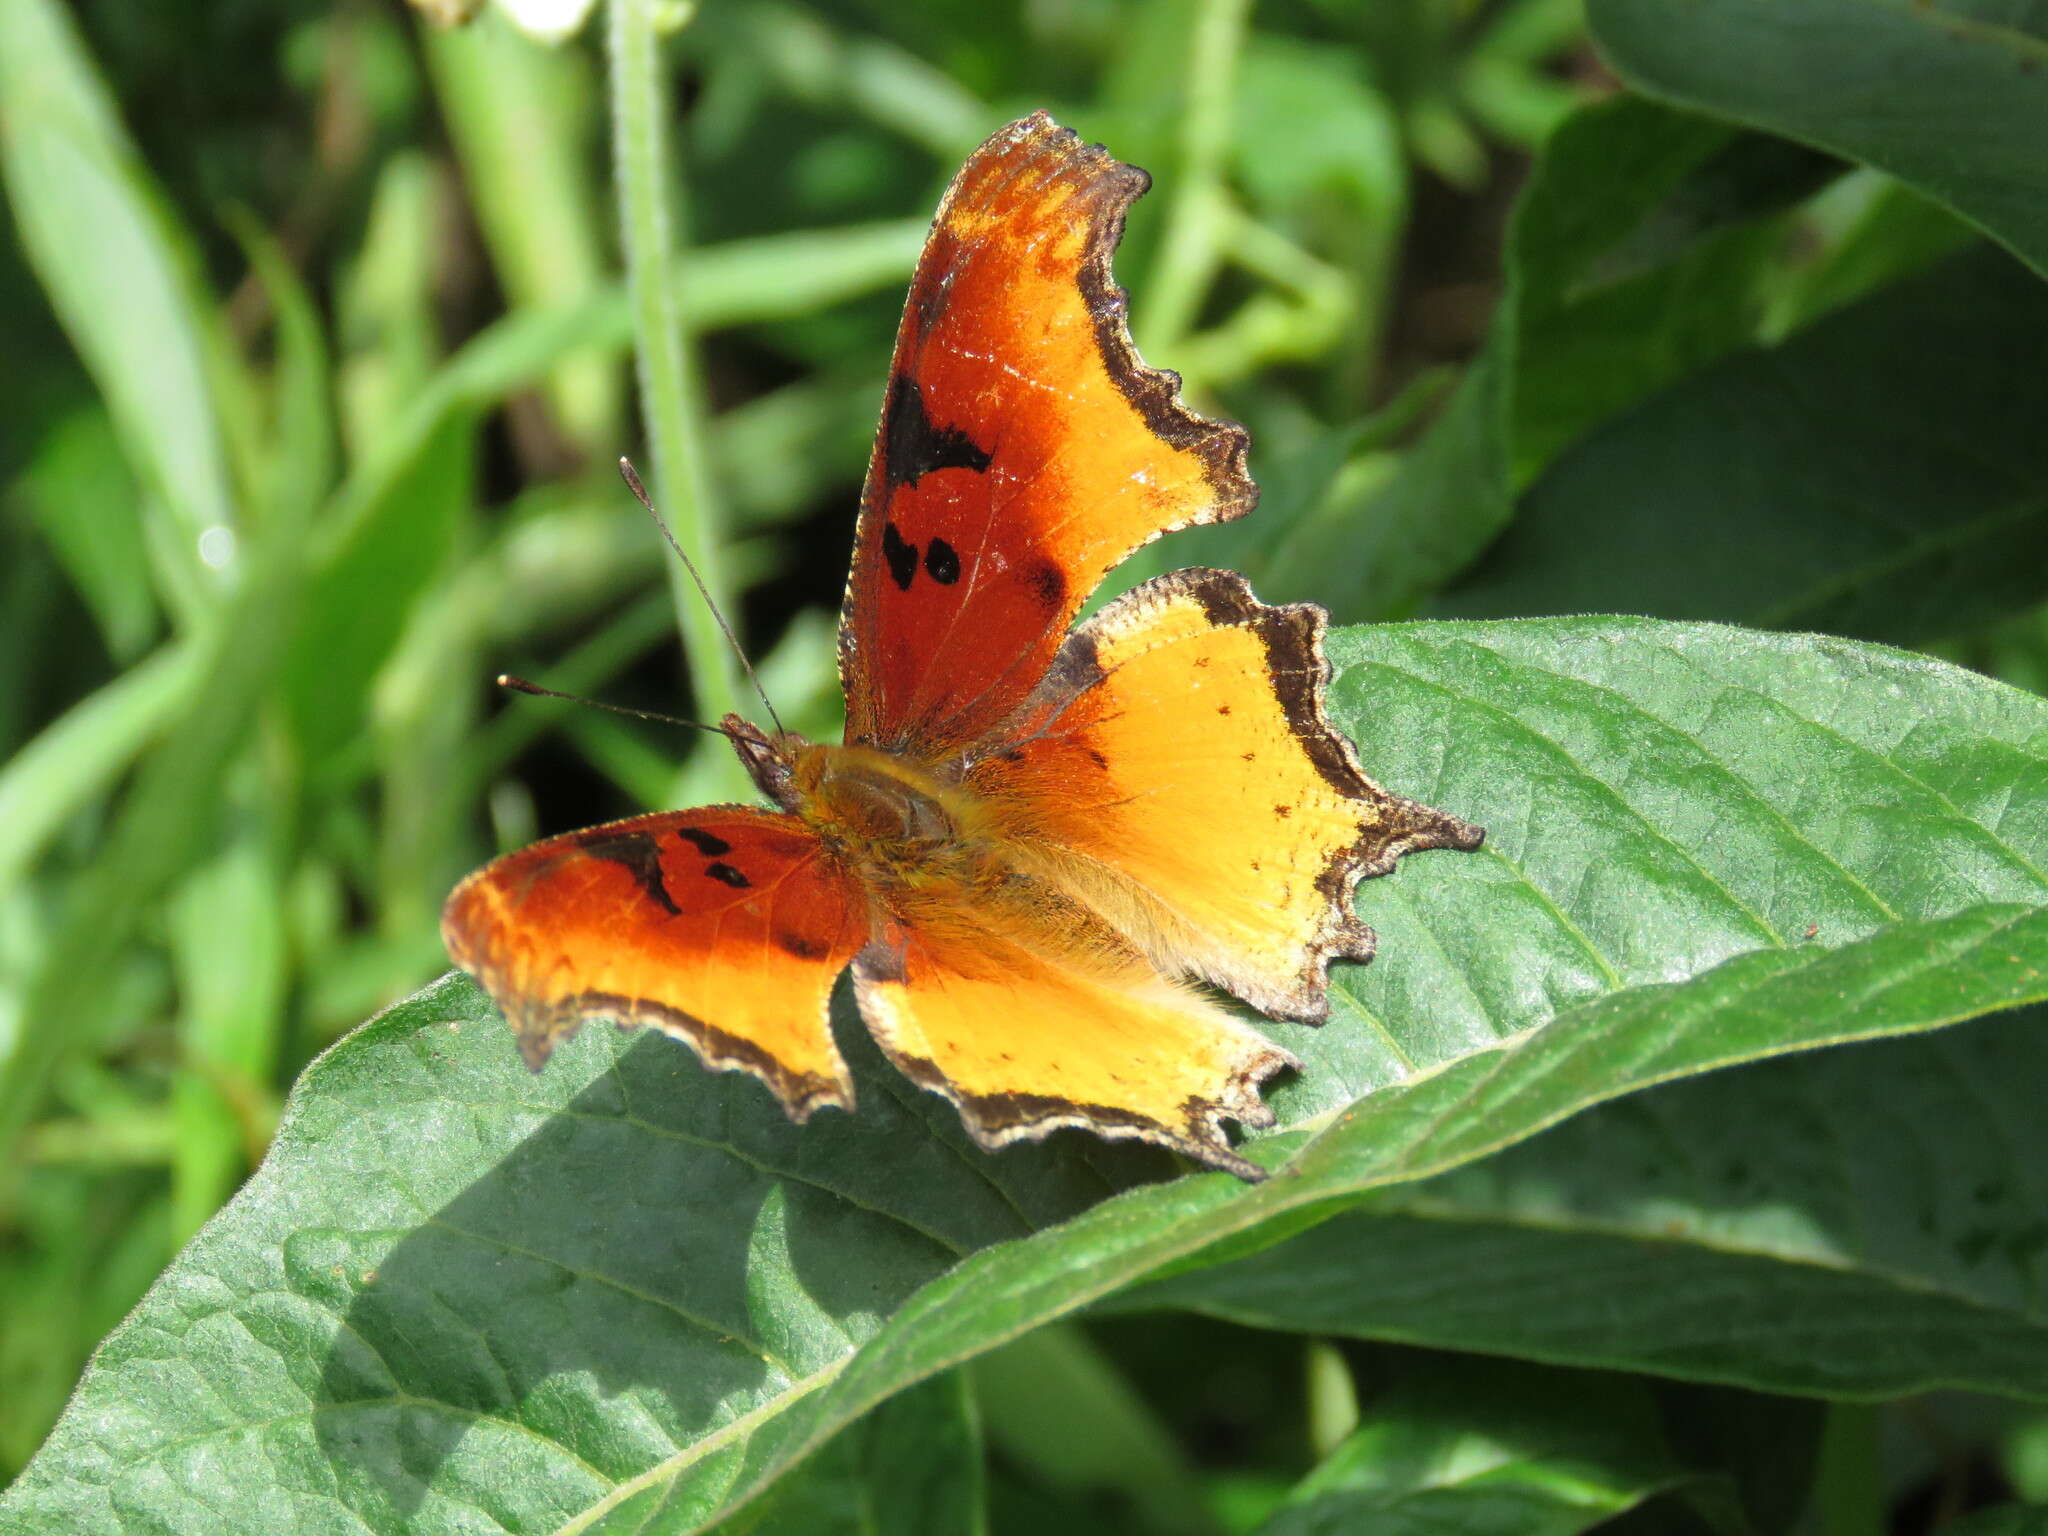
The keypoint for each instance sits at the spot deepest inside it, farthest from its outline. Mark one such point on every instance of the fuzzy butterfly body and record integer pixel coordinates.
(1037, 836)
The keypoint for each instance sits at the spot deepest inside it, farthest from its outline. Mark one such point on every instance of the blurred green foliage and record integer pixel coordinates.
(320, 324)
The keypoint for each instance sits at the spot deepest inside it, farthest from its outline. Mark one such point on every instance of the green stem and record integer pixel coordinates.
(671, 398)
(1191, 247)
(1849, 1484)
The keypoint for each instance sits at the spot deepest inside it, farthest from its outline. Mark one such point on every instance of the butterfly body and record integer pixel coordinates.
(1040, 837)
(893, 819)
(920, 842)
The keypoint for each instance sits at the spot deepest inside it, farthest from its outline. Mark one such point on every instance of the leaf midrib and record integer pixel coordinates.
(731, 1430)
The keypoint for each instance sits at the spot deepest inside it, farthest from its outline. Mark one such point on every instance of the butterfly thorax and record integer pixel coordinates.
(896, 819)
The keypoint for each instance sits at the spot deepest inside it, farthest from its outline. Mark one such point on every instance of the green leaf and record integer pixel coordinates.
(1057, 1407)
(1951, 99)
(358, 602)
(119, 276)
(1851, 1224)
(1471, 1447)
(77, 756)
(629, 1295)
(166, 818)
(519, 114)
(300, 462)
(1884, 232)
(912, 1466)
(83, 501)
(229, 948)
(1879, 475)
(2006, 1520)
(1633, 257)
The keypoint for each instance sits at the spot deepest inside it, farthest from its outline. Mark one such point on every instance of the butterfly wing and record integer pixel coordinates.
(725, 927)
(1024, 1041)
(1024, 449)
(1178, 769)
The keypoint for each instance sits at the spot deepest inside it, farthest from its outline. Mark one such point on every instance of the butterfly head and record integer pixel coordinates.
(770, 759)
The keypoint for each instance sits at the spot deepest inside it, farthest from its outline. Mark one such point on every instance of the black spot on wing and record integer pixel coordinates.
(725, 874)
(802, 947)
(706, 843)
(1048, 583)
(914, 446)
(636, 853)
(942, 562)
(901, 555)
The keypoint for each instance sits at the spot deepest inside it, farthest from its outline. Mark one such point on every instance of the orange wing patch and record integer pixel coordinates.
(1025, 1043)
(1024, 448)
(725, 927)
(1178, 774)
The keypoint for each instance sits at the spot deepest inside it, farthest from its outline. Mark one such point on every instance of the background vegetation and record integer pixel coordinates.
(323, 325)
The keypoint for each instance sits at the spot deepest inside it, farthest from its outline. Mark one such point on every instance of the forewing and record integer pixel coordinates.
(725, 927)
(1024, 449)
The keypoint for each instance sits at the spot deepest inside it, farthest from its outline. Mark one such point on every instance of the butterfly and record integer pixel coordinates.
(1038, 837)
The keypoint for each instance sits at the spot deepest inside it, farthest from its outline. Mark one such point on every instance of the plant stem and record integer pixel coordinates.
(1191, 247)
(671, 397)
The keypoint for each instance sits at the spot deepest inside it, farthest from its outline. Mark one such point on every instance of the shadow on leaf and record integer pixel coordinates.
(662, 1253)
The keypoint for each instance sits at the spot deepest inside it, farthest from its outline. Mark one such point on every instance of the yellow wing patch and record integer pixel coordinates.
(1025, 1043)
(1179, 776)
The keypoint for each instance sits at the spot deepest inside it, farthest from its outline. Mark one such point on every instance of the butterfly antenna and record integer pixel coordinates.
(521, 685)
(632, 478)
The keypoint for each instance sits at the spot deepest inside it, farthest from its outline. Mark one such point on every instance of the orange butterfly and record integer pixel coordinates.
(1033, 836)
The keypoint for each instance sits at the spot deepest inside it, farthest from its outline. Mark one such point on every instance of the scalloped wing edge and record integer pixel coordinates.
(1292, 634)
(996, 1121)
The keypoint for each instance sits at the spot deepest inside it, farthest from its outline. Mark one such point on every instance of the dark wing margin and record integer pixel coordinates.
(725, 927)
(1025, 449)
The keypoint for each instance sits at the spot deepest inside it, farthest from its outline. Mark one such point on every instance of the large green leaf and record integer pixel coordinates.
(1880, 474)
(1952, 99)
(1634, 255)
(627, 1295)
(1851, 1223)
